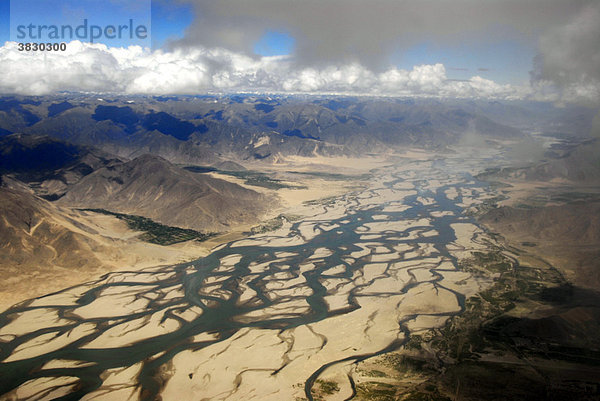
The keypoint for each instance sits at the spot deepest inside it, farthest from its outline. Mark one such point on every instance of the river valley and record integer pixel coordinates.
(270, 316)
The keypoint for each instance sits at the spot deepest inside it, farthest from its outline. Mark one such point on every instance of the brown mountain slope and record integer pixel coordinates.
(48, 165)
(45, 248)
(581, 165)
(37, 247)
(567, 235)
(31, 233)
(152, 187)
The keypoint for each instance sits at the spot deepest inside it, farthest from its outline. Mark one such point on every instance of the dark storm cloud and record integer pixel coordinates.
(369, 31)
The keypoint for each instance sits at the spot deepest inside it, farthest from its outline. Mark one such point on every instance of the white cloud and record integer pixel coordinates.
(98, 68)
(371, 32)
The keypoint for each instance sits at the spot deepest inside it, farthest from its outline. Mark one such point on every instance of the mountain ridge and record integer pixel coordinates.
(152, 187)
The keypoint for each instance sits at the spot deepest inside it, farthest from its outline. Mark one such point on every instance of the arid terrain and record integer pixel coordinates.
(447, 272)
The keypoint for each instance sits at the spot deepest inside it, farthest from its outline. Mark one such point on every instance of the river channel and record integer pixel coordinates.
(266, 316)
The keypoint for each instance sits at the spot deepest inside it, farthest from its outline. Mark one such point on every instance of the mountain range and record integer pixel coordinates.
(152, 187)
(82, 177)
(149, 158)
(208, 129)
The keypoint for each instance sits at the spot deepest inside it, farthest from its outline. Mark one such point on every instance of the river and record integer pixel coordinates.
(266, 316)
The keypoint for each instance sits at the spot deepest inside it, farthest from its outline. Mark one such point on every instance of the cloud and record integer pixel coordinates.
(341, 47)
(369, 32)
(133, 70)
(569, 58)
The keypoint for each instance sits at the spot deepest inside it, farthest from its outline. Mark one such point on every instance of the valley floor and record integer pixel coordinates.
(374, 288)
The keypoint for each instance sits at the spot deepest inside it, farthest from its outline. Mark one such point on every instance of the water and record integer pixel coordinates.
(271, 281)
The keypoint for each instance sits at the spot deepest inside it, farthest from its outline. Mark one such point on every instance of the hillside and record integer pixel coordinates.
(32, 231)
(152, 187)
(48, 165)
(45, 248)
(42, 245)
(577, 163)
(566, 235)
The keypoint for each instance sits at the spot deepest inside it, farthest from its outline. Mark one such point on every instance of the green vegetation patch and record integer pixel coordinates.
(259, 179)
(425, 396)
(274, 223)
(154, 232)
(376, 391)
(374, 373)
(406, 364)
(255, 178)
(327, 386)
(485, 206)
(333, 176)
(200, 169)
(323, 201)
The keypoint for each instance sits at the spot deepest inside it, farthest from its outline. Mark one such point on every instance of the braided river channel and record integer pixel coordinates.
(266, 316)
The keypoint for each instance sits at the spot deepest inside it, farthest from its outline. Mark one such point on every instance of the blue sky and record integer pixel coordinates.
(504, 61)
(4, 20)
(112, 22)
(275, 43)
(169, 21)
